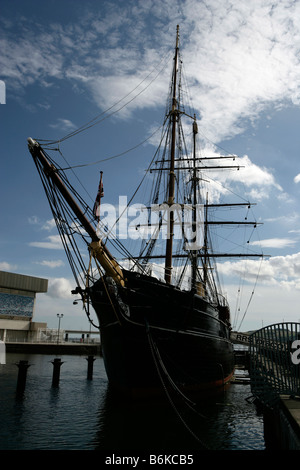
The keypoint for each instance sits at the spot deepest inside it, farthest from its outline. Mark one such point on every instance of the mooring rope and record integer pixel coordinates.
(157, 361)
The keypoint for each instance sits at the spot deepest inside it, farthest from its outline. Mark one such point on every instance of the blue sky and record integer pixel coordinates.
(64, 62)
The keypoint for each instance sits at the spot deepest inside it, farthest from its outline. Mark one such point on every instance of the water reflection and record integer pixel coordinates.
(142, 425)
(226, 422)
(85, 414)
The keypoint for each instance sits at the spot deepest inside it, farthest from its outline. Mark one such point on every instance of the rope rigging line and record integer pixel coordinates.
(242, 286)
(158, 362)
(114, 156)
(252, 293)
(85, 298)
(96, 120)
(61, 213)
(133, 196)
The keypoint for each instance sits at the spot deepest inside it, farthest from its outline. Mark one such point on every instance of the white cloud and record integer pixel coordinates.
(255, 175)
(283, 271)
(49, 225)
(75, 318)
(51, 264)
(64, 125)
(257, 181)
(53, 242)
(248, 59)
(275, 243)
(239, 57)
(260, 290)
(268, 306)
(60, 288)
(297, 178)
(285, 219)
(33, 220)
(4, 266)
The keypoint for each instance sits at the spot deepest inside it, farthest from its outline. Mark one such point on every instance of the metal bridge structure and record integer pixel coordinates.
(275, 363)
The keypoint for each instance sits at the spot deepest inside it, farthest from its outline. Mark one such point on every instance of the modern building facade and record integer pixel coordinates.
(17, 302)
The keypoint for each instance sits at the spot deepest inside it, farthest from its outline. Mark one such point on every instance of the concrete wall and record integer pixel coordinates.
(22, 282)
(281, 431)
(23, 331)
(17, 301)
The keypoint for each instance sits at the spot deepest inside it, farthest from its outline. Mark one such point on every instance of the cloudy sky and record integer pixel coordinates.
(65, 62)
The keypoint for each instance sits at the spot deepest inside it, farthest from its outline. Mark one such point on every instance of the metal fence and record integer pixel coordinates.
(275, 362)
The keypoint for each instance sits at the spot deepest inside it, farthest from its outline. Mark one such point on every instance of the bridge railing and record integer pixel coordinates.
(275, 362)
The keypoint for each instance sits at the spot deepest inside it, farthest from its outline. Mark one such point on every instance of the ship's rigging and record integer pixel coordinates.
(180, 190)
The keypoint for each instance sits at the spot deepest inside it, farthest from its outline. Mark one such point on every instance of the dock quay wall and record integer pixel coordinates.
(282, 425)
(53, 348)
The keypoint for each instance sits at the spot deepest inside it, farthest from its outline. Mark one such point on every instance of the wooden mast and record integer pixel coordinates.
(174, 114)
(98, 249)
(194, 225)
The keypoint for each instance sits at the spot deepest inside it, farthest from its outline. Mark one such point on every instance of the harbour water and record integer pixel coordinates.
(82, 414)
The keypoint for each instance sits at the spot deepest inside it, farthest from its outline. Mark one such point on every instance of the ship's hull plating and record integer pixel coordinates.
(155, 336)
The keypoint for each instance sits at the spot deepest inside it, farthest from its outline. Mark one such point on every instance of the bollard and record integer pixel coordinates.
(56, 371)
(90, 360)
(22, 375)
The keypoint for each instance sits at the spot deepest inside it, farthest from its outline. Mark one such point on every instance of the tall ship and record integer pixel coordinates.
(163, 319)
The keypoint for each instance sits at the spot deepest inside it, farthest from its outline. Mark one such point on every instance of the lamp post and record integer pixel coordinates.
(59, 316)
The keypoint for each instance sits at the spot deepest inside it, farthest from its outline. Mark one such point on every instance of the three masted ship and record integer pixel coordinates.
(157, 330)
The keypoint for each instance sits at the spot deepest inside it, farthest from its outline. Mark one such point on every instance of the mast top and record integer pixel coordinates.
(177, 35)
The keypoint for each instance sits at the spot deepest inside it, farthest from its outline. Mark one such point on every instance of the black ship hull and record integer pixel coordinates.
(154, 336)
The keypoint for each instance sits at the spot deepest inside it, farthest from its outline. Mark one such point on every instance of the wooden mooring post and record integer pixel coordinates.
(90, 360)
(57, 363)
(22, 375)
